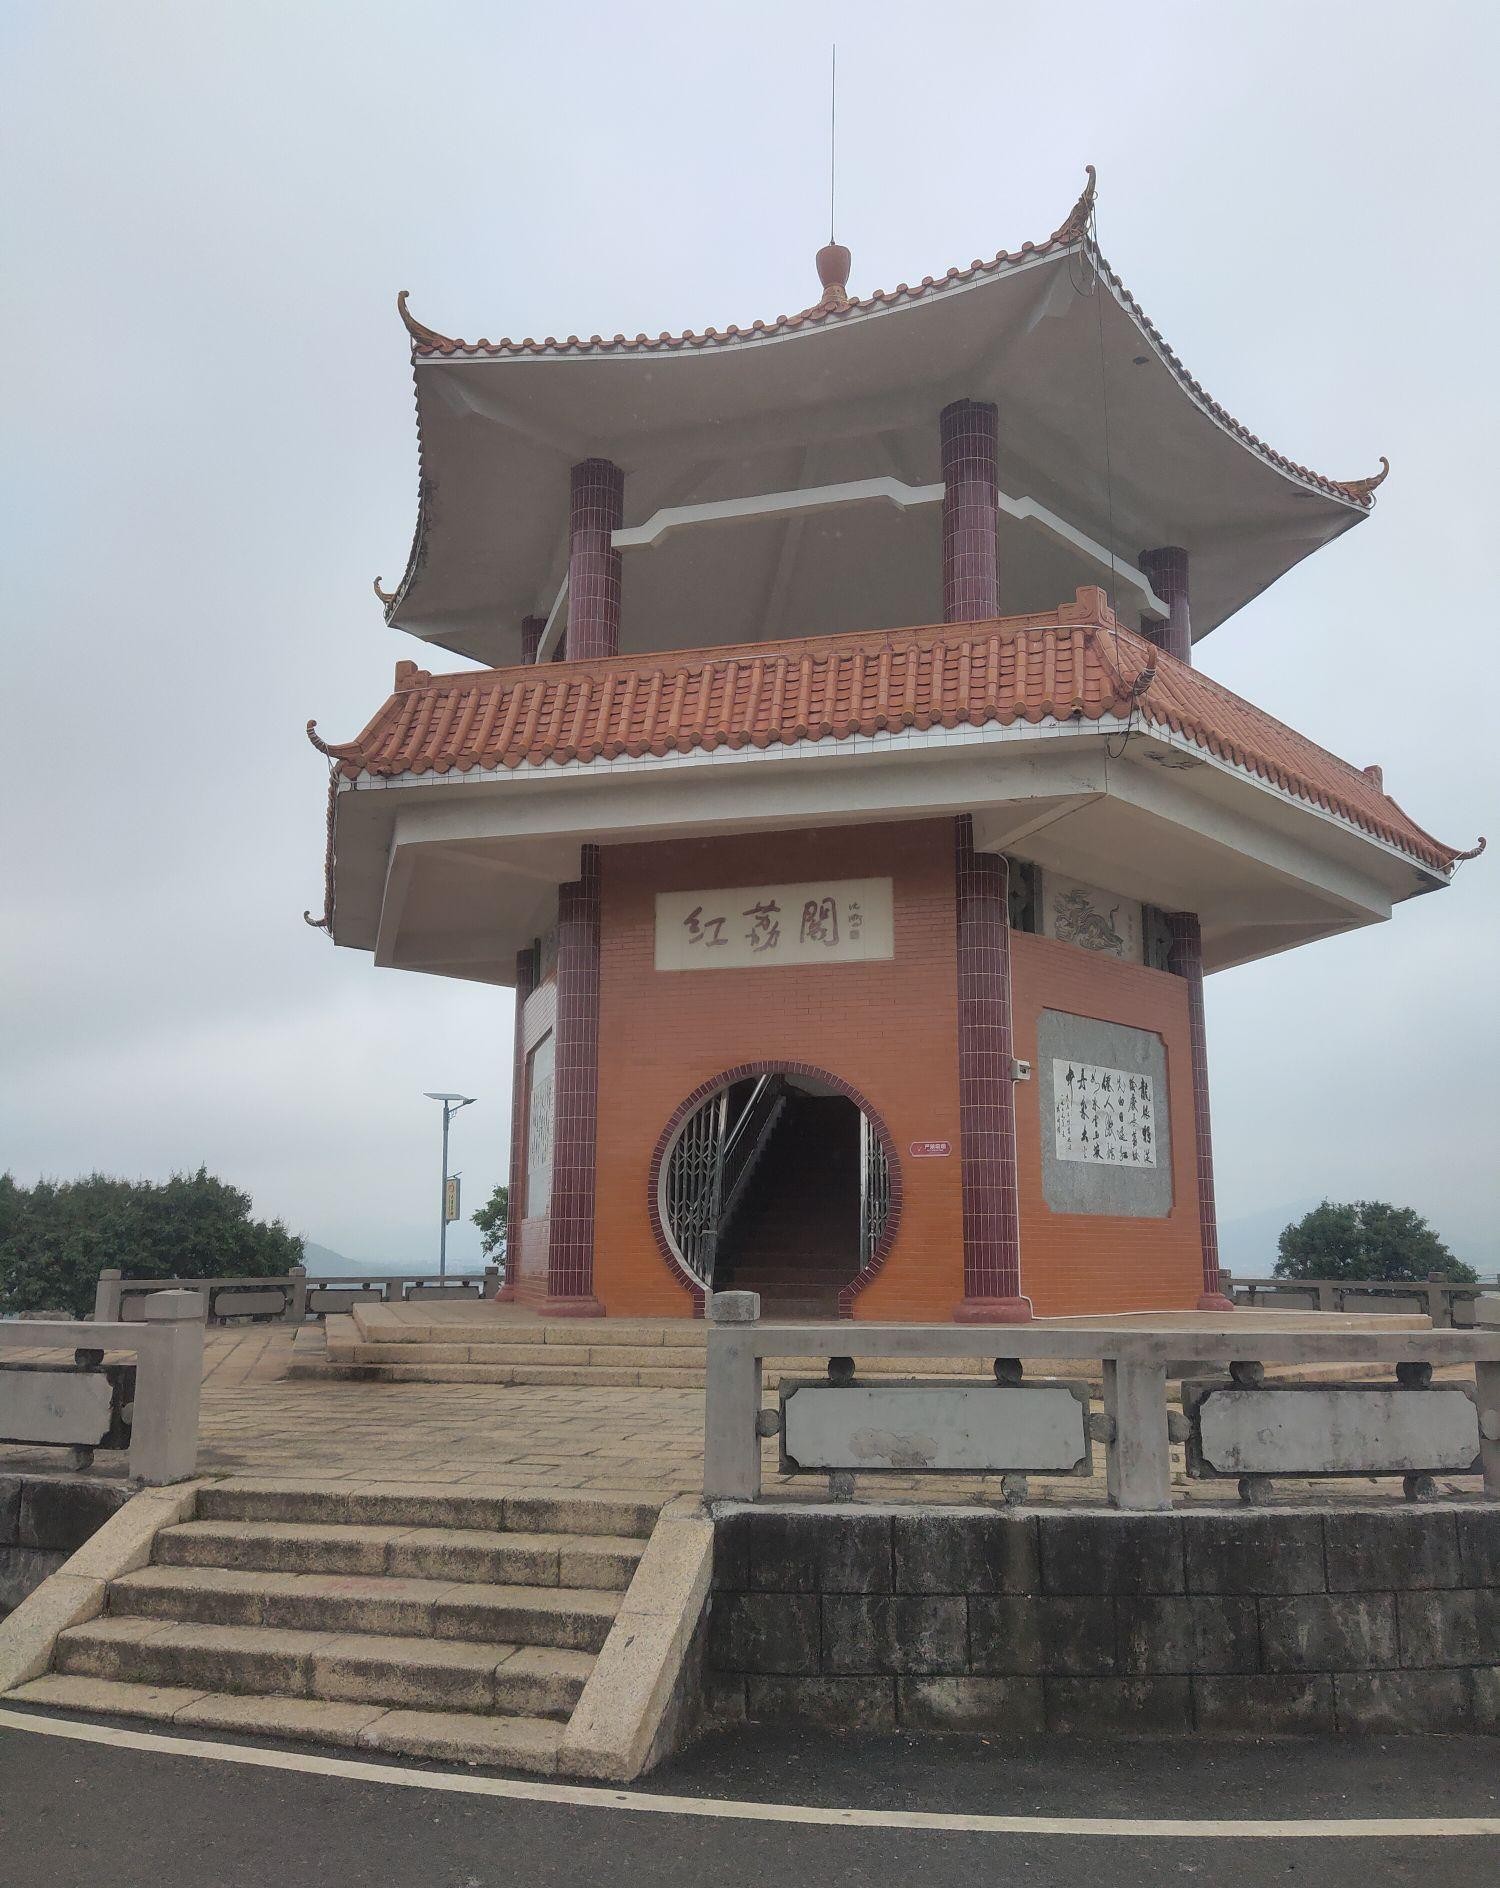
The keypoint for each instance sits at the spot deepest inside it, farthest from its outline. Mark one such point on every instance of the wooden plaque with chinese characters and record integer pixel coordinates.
(825, 921)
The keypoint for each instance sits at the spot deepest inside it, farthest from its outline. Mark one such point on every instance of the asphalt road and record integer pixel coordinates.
(76, 1815)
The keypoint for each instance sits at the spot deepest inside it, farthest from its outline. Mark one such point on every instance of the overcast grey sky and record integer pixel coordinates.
(210, 451)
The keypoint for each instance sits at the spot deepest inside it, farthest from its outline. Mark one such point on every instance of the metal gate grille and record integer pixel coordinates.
(695, 1174)
(874, 1190)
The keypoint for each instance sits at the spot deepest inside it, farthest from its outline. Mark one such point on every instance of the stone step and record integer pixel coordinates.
(332, 1602)
(561, 1376)
(393, 1324)
(573, 1619)
(464, 1555)
(509, 1743)
(534, 1364)
(408, 1673)
(397, 1505)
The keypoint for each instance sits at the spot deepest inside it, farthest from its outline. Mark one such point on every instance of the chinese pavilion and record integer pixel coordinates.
(840, 796)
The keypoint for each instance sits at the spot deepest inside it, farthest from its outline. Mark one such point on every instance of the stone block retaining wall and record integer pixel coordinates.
(43, 1519)
(1226, 1621)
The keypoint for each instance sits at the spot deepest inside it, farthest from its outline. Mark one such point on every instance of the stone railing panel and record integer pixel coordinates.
(938, 1427)
(1313, 1429)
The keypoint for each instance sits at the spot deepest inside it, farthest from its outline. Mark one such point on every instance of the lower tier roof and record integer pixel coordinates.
(1074, 665)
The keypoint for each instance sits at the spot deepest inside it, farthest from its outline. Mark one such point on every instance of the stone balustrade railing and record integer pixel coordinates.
(289, 1299)
(1449, 1306)
(76, 1406)
(1238, 1425)
(328, 1294)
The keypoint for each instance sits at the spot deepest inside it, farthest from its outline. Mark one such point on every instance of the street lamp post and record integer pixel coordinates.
(451, 1106)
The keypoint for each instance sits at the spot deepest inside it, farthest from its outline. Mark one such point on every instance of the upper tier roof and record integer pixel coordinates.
(848, 389)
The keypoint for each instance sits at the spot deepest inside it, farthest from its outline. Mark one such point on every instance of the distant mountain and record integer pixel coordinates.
(324, 1260)
(1247, 1246)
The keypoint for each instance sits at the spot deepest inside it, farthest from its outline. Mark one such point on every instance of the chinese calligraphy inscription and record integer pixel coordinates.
(825, 921)
(1104, 1116)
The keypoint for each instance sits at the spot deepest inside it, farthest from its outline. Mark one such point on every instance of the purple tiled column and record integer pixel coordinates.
(986, 1094)
(1167, 573)
(519, 1103)
(570, 1245)
(971, 590)
(531, 636)
(596, 512)
(1185, 960)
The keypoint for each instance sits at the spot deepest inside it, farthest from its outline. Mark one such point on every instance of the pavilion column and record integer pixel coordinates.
(519, 1102)
(986, 1093)
(1185, 960)
(971, 514)
(531, 636)
(595, 513)
(570, 1245)
(1166, 571)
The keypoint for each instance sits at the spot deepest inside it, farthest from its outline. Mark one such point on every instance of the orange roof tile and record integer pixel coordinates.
(1076, 662)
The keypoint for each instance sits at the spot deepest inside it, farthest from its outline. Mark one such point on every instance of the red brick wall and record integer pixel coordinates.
(888, 1029)
(1077, 1262)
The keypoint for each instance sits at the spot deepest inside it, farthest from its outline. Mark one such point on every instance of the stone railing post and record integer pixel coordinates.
(1487, 1394)
(1138, 1465)
(491, 1282)
(296, 1297)
(169, 1381)
(731, 1401)
(1325, 1298)
(107, 1298)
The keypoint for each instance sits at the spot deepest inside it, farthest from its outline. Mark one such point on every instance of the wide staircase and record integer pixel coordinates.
(448, 1626)
(795, 1239)
(483, 1343)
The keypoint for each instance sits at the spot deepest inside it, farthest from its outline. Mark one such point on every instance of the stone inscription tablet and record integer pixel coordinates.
(1103, 1115)
(824, 921)
(1105, 1136)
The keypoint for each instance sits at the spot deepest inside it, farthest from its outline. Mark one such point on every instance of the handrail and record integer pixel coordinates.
(770, 1090)
(1136, 1359)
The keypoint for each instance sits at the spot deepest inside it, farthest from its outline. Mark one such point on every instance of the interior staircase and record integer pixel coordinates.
(445, 1625)
(795, 1239)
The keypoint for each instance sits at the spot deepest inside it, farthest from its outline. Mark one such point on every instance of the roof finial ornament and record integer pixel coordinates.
(387, 597)
(1365, 488)
(429, 337)
(833, 272)
(1075, 225)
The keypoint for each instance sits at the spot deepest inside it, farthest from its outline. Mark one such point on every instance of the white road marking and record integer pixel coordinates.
(643, 1802)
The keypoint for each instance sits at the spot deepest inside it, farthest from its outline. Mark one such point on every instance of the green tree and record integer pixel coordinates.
(1366, 1239)
(56, 1237)
(492, 1219)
